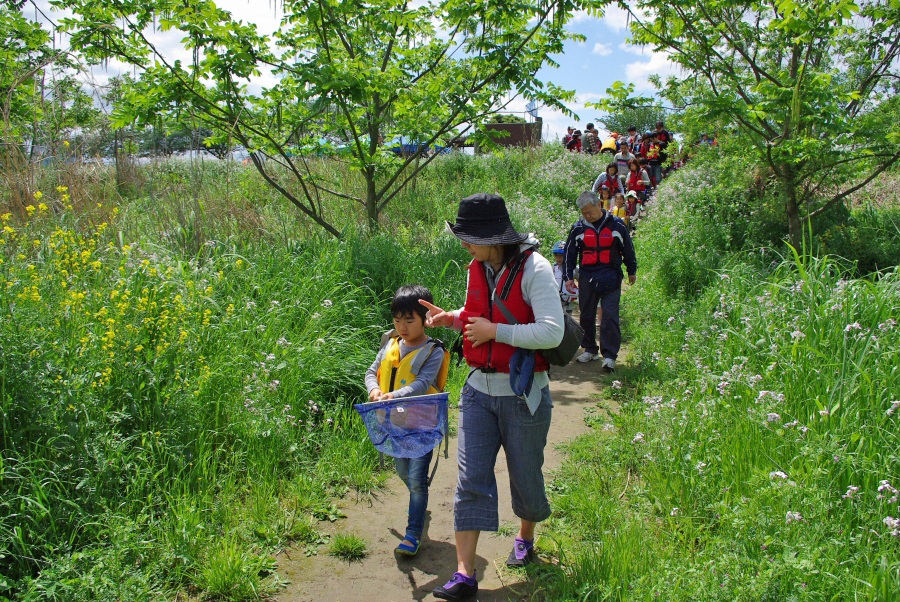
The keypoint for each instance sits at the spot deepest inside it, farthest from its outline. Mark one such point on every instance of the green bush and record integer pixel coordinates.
(870, 237)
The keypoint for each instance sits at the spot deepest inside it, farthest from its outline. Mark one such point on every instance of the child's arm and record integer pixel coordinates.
(424, 379)
(372, 375)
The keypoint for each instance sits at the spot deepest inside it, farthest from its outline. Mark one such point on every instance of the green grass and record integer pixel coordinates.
(755, 453)
(349, 547)
(179, 366)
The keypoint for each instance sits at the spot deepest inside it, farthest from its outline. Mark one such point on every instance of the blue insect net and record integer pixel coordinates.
(409, 427)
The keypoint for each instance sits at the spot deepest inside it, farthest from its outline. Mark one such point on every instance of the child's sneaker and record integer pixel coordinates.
(587, 356)
(458, 588)
(407, 549)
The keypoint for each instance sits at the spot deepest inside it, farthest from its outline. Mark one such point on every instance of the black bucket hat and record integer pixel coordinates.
(482, 219)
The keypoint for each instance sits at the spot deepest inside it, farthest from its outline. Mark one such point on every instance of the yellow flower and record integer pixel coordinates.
(37, 195)
(8, 230)
(139, 348)
(99, 205)
(62, 188)
(30, 210)
(238, 263)
(42, 207)
(66, 143)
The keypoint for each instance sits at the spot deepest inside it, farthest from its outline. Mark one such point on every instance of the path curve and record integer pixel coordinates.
(381, 521)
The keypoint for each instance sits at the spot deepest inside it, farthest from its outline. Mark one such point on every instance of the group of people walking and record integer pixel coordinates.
(513, 303)
(635, 170)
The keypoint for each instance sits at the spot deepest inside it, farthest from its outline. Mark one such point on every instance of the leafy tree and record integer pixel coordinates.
(352, 72)
(802, 82)
(25, 52)
(644, 118)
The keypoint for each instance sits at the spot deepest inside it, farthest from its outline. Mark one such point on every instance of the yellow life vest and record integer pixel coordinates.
(395, 373)
(620, 212)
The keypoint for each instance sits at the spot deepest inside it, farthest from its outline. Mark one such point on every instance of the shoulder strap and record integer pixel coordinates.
(511, 319)
(387, 336)
(421, 357)
(512, 272)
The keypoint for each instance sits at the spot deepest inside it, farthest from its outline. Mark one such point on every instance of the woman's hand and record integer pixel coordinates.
(436, 316)
(480, 330)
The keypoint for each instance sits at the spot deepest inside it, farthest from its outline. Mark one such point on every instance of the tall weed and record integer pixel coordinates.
(763, 419)
(179, 365)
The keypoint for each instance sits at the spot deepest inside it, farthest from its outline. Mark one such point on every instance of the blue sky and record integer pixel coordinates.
(588, 67)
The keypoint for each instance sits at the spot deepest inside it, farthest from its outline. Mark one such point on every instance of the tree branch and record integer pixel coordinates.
(837, 198)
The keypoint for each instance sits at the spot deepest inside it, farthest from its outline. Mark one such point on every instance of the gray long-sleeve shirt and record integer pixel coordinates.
(540, 292)
(424, 379)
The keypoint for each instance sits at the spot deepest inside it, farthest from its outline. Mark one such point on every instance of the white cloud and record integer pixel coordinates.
(638, 71)
(634, 49)
(583, 97)
(602, 49)
(615, 17)
(581, 16)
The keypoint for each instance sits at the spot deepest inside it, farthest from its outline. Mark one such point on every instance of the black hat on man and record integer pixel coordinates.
(482, 219)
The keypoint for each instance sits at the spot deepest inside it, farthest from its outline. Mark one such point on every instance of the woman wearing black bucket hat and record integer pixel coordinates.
(512, 307)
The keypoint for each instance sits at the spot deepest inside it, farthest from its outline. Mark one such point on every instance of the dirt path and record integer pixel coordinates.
(385, 577)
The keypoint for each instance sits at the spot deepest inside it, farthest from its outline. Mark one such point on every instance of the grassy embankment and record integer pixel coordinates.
(157, 374)
(178, 365)
(756, 453)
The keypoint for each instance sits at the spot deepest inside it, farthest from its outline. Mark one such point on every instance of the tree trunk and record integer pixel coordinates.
(116, 157)
(792, 209)
(371, 200)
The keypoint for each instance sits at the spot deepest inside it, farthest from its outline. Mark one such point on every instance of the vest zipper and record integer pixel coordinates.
(491, 318)
(393, 377)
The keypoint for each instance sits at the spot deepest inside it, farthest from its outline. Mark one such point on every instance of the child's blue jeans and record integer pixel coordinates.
(414, 472)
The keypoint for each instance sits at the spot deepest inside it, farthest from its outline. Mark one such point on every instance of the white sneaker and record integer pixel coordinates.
(587, 356)
(609, 364)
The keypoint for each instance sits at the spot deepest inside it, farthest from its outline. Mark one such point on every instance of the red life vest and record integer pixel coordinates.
(611, 182)
(492, 355)
(635, 182)
(596, 247)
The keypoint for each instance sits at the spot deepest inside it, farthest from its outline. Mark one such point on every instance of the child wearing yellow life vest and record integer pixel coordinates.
(620, 210)
(410, 363)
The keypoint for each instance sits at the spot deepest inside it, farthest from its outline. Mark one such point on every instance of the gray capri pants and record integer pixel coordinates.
(485, 423)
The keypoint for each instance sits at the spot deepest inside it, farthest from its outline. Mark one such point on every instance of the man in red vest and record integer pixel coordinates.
(600, 244)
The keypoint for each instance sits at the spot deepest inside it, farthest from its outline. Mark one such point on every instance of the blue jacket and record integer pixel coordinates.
(623, 245)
